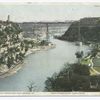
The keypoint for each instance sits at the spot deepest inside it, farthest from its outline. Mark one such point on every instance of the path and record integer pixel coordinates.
(92, 70)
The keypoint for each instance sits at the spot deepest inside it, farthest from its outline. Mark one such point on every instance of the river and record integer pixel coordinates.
(41, 65)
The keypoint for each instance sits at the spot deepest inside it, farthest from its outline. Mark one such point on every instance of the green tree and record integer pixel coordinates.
(74, 77)
(79, 55)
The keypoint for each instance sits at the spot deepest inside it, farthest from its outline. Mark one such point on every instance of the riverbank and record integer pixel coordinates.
(17, 67)
(12, 70)
(40, 48)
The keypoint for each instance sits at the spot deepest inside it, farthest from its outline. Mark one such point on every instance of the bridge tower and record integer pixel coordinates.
(8, 18)
(79, 36)
(47, 33)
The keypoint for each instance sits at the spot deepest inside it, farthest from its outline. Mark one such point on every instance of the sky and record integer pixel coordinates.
(29, 12)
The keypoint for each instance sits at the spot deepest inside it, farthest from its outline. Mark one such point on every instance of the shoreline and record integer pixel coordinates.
(40, 48)
(18, 66)
(12, 71)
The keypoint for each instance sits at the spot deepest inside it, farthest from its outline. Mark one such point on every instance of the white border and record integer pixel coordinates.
(50, 1)
(51, 94)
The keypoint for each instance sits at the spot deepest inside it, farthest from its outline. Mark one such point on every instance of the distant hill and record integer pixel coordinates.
(89, 30)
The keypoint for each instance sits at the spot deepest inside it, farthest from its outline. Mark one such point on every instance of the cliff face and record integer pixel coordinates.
(87, 29)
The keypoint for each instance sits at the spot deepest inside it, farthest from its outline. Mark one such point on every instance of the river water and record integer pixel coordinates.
(42, 64)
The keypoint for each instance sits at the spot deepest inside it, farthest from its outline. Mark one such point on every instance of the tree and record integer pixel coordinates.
(74, 77)
(79, 55)
(9, 43)
(31, 87)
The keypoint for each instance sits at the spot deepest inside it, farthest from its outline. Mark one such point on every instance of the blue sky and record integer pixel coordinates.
(21, 12)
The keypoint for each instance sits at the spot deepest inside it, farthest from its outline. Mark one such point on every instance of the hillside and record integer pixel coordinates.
(85, 30)
(11, 49)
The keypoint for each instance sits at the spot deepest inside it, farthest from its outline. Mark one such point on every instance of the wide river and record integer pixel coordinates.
(41, 65)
